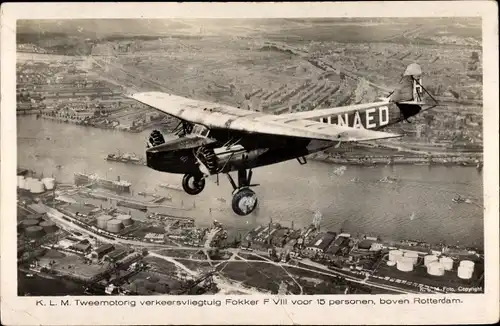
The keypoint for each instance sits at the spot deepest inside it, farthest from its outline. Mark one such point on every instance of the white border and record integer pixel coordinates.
(477, 308)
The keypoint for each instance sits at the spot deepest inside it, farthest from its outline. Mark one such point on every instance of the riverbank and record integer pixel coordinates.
(98, 125)
(451, 159)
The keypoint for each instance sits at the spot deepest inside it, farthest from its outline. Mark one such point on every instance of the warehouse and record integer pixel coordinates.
(337, 246)
(83, 246)
(321, 242)
(99, 253)
(115, 255)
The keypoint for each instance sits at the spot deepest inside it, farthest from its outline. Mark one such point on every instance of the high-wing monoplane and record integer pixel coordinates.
(215, 139)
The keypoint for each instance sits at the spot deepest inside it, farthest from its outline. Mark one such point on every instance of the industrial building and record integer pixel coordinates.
(82, 246)
(365, 244)
(115, 255)
(338, 245)
(321, 242)
(99, 252)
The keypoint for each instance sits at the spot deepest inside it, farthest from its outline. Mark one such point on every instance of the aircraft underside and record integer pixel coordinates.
(196, 159)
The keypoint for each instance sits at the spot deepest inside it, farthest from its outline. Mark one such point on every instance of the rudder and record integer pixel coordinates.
(410, 88)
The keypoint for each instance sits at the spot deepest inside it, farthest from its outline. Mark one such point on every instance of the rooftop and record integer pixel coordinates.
(104, 248)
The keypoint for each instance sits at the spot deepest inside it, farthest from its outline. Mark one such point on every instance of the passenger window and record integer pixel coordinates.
(199, 130)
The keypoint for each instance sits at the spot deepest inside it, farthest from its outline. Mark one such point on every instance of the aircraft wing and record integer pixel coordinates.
(218, 116)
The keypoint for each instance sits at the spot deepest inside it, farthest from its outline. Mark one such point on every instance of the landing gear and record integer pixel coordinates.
(244, 199)
(193, 184)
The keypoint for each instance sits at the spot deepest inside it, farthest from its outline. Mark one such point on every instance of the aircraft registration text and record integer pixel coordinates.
(368, 119)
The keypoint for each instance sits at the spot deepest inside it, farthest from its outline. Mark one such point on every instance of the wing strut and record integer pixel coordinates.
(302, 160)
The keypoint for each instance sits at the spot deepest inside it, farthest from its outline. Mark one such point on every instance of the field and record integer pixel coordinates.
(263, 276)
(72, 265)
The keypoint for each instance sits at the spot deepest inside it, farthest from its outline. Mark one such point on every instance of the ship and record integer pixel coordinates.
(459, 199)
(134, 205)
(171, 186)
(388, 180)
(126, 158)
(93, 179)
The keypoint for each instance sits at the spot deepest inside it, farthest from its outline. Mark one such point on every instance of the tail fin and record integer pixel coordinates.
(410, 88)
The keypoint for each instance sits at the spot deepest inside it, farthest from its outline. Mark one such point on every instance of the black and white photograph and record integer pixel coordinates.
(169, 157)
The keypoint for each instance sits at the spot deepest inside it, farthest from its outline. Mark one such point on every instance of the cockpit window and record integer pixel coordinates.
(200, 130)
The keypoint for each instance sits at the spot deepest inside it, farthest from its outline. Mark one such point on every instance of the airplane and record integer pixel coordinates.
(215, 139)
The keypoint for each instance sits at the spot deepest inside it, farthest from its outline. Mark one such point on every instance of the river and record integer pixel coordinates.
(418, 206)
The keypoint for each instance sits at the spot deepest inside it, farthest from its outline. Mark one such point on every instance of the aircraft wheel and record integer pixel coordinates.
(244, 201)
(193, 185)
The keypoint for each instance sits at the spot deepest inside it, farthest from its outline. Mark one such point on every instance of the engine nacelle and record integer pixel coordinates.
(177, 155)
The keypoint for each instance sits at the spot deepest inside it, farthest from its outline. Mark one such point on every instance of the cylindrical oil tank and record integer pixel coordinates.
(413, 256)
(34, 231)
(20, 181)
(22, 184)
(29, 222)
(391, 263)
(447, 263)
(395, 255)
(49, 183)
(126, 219)
(48, 226)
(467, 263)
(102, 221)
(114, 226)
(430, 259)
(37, 187)
(435, 268)
(405, 264)
(27, 183)
(35, 217)
(464, 272)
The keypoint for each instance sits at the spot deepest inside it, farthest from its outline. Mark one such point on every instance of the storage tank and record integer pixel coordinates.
(435, 268)
(34, 217)
(21, 184)
(49, 183)
(405, 264)
(412, 255)
(391, 263)
(114, 226)
(465, 272)
(48, 226)
(447, 263)
(36, 187)
(430, 259)
(29, 222)
(34, 231)
(125, 219)
(395, 255)
(467, 263)
(20, 181)
(102, 221)
(27, 183)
